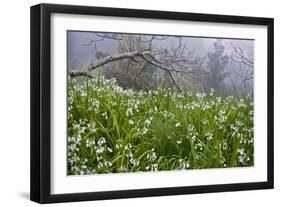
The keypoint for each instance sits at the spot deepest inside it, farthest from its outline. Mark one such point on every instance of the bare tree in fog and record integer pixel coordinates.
(241, 70)
(150, 61)
(138, 53)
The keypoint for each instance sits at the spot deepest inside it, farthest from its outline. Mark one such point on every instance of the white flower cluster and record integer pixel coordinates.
(183, 164)
(111, 129)
(209, 136)
(242, 156)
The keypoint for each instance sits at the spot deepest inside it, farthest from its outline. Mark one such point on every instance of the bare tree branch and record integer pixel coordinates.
(107, 60)
(175, 60)
(141, 70)
(239, 56)
(80, 73)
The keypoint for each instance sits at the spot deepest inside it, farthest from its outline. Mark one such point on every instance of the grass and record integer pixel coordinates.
(112, 130)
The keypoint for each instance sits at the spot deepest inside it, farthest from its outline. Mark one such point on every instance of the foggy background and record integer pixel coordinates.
(227, 65)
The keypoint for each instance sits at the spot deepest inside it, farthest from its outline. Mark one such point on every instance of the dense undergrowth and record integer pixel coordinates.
(113, 130)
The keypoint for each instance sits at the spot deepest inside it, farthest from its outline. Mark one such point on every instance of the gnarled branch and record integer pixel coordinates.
(107, 60)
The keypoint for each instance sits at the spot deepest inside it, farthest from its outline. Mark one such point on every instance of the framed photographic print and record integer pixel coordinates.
(132, 103)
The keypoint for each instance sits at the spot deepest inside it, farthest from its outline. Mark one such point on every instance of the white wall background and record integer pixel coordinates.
(14, 101)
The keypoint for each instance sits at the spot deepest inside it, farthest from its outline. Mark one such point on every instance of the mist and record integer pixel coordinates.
(195, 63)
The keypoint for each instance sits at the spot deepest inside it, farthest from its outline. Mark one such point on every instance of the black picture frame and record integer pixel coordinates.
(41, 99)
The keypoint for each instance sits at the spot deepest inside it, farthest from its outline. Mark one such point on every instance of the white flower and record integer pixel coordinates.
(240, 151)
(109, 150)
(144, 131)
(99, 150)
(151, 156)
(131, 122)
(101, 141)
(128, 146)
(92, 127)
(209, 136)
(183, 164)
(204, 122)
(199, 146)
(107, 164)
(129, 112)
(100, 165)
(177, 124)
(180, 96)
(89, 143)
(104, 115)
(242, 155)
(96, 105)
(179, 141)
(147, 122)
(154, 167)
(134, 162)
(118, 146)
(200, 95)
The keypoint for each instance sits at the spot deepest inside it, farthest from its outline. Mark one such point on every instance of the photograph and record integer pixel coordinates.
(129, 103)
(156, 102)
